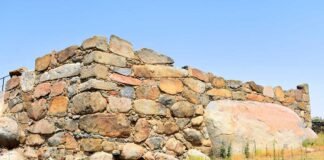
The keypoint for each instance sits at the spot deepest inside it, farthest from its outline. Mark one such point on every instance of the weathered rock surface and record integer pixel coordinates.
(8, 133)
(88, 102)
(119, 105)
(109, 125)
(132, 151)
(42, 127)
(149, 107)
(98, 85)
(67, 53)
(27, 81)
(125, 79)
(171, 86)
(158, 71)
(101, 156)
(96, 42)
(149, 56)
(260, 123)
(121, 47)
(183, 109)
(97, 71)
(105, 58)
(67, 70)
(12, 155)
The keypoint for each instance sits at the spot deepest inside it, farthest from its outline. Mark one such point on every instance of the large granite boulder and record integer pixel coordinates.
(259, 125)
(8, 133)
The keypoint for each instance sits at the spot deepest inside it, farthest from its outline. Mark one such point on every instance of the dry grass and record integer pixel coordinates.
(313, 150)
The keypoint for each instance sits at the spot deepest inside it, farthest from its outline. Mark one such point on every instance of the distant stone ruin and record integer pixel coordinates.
(103, 100)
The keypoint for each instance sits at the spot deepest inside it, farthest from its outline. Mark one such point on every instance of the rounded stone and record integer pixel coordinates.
(171, 86)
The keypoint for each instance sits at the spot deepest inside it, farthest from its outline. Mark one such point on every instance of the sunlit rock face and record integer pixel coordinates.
(260, 125)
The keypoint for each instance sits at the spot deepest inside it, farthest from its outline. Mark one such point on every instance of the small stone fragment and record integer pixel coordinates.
(234, 84)
(101, 156)
(218, 82)
(197, 121)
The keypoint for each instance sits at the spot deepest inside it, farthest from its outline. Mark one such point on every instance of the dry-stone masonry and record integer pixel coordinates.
(103, 100)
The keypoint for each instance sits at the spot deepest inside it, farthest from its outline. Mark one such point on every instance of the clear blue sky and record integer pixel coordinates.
(273, 42)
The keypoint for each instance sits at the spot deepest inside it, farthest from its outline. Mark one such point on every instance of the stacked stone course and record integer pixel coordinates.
(106, 101)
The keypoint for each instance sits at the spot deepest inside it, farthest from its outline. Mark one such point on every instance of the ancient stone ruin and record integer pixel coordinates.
(104, 101)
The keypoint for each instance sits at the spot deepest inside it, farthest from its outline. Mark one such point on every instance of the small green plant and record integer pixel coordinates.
(223, 151)
(247, 150)
(229, 151)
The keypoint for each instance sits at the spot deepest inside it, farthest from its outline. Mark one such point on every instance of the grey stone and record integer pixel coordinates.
(182, 122)
(97, 84)
(56, 139)
(128, 92)
(167, 100)
(8, 133)
(149, 56)
(96, 42)
(122, 71)
(27, 81)
(67, 70)
(105, 58)
(154, 143)
(193, 136)
(72, 90)
(234, 84)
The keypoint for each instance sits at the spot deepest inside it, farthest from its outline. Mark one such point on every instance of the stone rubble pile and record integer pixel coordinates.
(105, 101)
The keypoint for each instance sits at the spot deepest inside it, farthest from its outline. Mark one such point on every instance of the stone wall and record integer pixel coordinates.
(104, 100)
